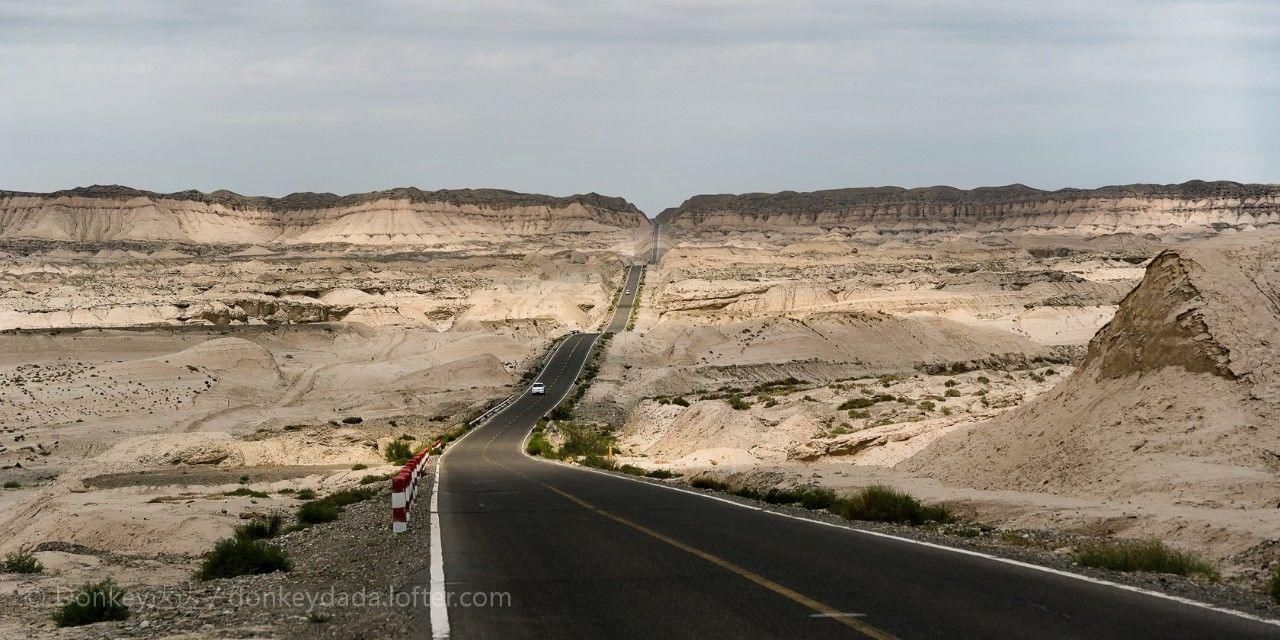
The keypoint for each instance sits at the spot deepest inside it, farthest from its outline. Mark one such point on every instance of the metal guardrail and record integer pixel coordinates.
(495, 409)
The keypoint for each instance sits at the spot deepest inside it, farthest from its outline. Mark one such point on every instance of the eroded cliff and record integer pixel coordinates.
(406, 216)
(1189, 209)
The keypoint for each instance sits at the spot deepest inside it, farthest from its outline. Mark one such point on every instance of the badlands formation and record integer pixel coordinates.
(172, 364)
(930, 339)
(1089, 361)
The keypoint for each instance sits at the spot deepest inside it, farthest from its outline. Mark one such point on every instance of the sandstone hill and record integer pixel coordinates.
(1178, 395)
(405, 216)
(1188, 209)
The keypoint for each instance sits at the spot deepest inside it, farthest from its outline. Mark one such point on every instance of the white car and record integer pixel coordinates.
(628, 292)
(538, 389)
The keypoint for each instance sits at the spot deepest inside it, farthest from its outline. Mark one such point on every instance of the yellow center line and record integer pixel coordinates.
(795, 596)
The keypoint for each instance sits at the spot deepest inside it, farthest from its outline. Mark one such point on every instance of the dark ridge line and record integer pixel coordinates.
(491, 198)
(835, 200)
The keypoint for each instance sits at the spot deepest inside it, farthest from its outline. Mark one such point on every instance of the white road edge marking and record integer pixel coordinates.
(932, 545)
(439, 606)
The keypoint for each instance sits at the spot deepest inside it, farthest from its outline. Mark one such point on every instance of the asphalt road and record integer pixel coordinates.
(588, 555)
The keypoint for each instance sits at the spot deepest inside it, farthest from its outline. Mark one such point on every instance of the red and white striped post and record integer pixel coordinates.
(403, 487)
(400, 503)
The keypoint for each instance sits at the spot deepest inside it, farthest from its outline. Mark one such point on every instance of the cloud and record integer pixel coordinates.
(652, 100)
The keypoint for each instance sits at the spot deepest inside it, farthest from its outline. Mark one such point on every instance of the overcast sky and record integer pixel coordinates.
(651, 100)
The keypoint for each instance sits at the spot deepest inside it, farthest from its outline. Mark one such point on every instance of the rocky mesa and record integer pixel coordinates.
(404, 216)
(1177, 211)
(1178, 395)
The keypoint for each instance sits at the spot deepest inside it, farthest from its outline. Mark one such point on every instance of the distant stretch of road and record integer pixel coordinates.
(589, 555)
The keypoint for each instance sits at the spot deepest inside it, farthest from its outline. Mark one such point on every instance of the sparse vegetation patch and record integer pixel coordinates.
(238, 557)
(95, 602)
(879, 503)
(21, 562)
(1144, 555)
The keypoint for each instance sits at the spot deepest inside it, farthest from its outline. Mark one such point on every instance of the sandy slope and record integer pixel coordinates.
(1178, 394)
(1174, 409)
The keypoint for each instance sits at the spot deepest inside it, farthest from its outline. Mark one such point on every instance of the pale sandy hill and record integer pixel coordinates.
(234, 355)
(1178, 396)
(475, 371)
(406, 216)
(872, 341)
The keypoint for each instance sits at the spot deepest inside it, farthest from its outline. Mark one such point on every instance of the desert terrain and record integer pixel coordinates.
(162, 379)
(1026, 357)
(1092, 362)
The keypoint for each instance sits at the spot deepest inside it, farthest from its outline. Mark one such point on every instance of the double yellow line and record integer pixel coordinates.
(790, 594)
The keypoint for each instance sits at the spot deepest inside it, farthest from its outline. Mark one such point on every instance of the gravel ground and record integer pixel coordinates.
(345, 574)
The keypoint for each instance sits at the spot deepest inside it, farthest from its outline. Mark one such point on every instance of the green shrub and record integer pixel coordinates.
(738, 403)
(305, 494)
(235, 557)
(817, 497)
(349, 496)
(398, 452)
(1144, 555)
(952, 393)
(261, 528)
(1273, 586)
(598, 462)
(328, 508)
(927, 405)
(561, 412)
(359, 467)
(93, 603)
(984, 380)
(316, 512)
(809, 497)
(21, 562)
(709, 483)
(679, 401)
(12, 484)
(857, 403)
(661, 474)
(246, 491)
(539, 446)
(883, 504)
(581, 440)
(374, 479)
(950, 383)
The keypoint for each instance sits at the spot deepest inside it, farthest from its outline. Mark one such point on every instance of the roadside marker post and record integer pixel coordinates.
(404, 486)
